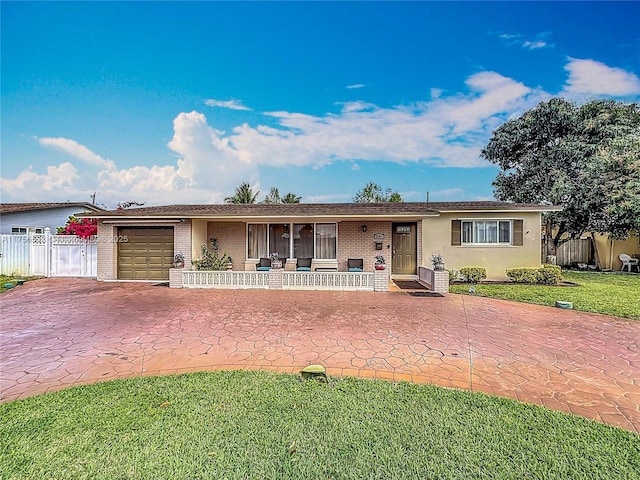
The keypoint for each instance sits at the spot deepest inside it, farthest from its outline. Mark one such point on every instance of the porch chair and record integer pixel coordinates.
(264, 265)
(628, 262)
(304, 265)
(355, 264)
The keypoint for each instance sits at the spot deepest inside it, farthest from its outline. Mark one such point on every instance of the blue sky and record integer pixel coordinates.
(164, 102)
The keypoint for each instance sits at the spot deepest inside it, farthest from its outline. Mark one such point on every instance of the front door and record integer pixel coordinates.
(404, 249)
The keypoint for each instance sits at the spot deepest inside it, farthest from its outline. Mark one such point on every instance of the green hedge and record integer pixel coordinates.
(473, 274)
(547, 275)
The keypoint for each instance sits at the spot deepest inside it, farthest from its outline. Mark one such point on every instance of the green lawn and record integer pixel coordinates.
(608, 293)
(12, 279)
(246, 425)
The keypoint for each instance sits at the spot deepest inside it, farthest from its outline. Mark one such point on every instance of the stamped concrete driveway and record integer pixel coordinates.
(62, 332)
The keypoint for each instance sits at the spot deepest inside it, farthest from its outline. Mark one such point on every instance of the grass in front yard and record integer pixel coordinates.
(607, 293)
(12, 279)
(238, 425)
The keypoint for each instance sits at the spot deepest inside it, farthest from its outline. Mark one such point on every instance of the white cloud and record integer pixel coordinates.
(62, 179)
(518, 39)
(355, 167)
(443, 131)
(355, 85)
(532, 45)
(78, 151)
(232, 104)
(589, 77)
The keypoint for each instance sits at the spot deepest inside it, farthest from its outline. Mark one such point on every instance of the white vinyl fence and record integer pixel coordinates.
(48, 255)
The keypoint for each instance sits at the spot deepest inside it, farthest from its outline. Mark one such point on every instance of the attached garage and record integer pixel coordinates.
(147, 254)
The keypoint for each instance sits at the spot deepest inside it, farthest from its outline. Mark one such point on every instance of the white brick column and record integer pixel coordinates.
(381, 280)
(107, 248)
(182, 241)
(175, 277)
(440, 281)
(275, 278)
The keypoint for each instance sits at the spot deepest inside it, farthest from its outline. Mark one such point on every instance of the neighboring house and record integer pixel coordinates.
(139, 243)
(25, 218)
(608, 250)
(596, 250)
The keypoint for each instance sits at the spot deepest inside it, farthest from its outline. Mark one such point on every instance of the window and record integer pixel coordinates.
(279, 239)
(303, 240)
(26, 230)
(326, 240)
(486, 231)
(299, 240)
(257, 241)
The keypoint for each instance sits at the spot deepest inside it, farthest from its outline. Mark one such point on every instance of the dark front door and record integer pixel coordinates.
(404, 249)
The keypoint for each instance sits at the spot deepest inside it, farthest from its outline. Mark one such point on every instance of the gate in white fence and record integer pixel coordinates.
(48, 255)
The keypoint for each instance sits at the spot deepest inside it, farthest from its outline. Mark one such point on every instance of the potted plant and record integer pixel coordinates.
(275, 263)
(178, 260)
(380, 262)
(437, 261)
(229, 263)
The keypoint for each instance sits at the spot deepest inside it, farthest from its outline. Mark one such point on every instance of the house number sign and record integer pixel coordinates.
(403, 229)
(378, 236)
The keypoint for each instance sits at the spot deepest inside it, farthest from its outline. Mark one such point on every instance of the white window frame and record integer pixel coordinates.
(474, 241)
(291, 238)
(27, 230)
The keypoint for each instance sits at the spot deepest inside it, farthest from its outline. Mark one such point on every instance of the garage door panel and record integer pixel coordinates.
(147, 255)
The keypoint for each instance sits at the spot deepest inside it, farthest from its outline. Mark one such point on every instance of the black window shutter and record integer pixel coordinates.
(518, 235)
(456, 232)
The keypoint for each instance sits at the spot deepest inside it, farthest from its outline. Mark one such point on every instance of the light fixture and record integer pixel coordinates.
(364, 228)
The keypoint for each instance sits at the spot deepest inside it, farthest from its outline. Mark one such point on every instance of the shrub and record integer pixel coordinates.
(82, 227)
(523, 275)
(211, 261)
(473, 274)
(453, 275)
(547, 275)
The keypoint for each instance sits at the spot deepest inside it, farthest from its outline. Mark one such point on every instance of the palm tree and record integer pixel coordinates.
(243, 194)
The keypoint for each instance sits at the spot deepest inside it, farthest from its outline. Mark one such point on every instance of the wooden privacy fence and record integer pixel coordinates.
(48, 255)
(574, 251)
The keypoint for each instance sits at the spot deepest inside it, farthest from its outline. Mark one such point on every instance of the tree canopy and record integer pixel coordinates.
(274, 197)
(373, 193)
(585, 158)
(243, 194)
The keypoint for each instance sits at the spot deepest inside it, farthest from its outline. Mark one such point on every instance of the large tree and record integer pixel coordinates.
(583, 158)
(274, 197)
(243, 194)
(373, 193)
(291, 198)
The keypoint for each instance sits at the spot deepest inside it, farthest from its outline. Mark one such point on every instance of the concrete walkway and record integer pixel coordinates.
(61, 332)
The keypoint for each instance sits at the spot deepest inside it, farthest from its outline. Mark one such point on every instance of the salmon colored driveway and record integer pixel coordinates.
(62, 332)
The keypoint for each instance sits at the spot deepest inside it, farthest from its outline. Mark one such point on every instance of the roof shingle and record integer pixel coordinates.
(27, 207)
(317, 209)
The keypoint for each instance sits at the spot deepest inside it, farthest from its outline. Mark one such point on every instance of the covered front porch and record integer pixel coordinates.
(312, 244)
